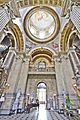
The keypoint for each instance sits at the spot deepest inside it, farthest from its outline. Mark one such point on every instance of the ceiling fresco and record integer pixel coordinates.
(41, 24)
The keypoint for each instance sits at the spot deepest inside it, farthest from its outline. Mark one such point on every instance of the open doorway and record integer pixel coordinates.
(41, 92)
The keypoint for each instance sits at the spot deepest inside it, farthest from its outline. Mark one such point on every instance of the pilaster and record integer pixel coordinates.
(64, 80)
(12, 80)
(22, 84)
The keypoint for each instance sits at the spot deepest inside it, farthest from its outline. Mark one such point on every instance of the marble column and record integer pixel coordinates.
(9, 59)
(64, 80)
(22, 84)
(59, 80)
(13, 80)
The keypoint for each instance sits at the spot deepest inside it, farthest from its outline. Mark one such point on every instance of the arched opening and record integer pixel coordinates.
(7, 42)
(42, 65)
(41, 75)
(65, 36)
(42, 92)
(19, 38)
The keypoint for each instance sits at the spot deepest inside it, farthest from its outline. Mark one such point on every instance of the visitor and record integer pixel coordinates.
(37, 102)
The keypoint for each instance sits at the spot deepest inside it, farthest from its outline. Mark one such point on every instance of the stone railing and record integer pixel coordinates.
(4, 17)
(47, 69)
(75, 62)
(75, 16)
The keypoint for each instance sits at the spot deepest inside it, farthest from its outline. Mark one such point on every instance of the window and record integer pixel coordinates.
(42, 64)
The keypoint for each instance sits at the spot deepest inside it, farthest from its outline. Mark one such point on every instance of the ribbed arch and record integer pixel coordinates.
(65, 35)
(19, 38)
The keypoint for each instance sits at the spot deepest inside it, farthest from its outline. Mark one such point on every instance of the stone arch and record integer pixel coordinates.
(52, 51)
(65, 35)
(19, 38)
(11, 37)
(71, 39)
(8, 42)
(44, 52)
(48, 84)
(42, 82)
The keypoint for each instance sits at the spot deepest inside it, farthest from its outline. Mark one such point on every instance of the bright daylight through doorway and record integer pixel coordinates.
(41, 93)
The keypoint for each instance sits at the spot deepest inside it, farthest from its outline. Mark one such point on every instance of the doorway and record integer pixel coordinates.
(41, 92)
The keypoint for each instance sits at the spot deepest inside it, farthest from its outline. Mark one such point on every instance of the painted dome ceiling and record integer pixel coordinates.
(41, 24)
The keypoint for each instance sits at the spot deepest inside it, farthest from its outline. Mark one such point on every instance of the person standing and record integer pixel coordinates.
(37, 102)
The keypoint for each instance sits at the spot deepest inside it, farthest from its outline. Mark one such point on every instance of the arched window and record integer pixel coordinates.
(42, 65)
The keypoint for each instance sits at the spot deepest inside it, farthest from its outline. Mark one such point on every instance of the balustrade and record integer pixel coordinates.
(47, 69)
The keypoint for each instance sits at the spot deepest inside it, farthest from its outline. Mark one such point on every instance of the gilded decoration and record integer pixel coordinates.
(60, 3)
(41, 24)
(65, 35)
(41, 53)
(18, 35)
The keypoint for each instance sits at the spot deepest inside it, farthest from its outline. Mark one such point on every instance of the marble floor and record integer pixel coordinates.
(42, 115)
(39, 114)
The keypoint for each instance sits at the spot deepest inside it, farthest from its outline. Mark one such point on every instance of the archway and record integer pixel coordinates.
(41, 71)
(65, 35)
(6, 43)
(19, 38)
(42, 92)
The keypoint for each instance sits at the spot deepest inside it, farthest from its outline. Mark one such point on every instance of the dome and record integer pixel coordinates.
(41, 24)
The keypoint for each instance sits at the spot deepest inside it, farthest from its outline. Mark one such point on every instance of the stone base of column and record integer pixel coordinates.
(5, 112)
(60, 103)
(22, 105)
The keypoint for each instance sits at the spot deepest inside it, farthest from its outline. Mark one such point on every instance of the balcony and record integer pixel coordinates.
(35, 70)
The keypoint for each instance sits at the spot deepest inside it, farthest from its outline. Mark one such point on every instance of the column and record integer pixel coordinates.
(22, 84)
(59, 80)
(64, 74)
(9, 59)
(13, 80)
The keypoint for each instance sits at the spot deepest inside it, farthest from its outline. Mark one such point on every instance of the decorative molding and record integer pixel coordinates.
(18, 35)
(52, 13)
(64, 36)
(65, 8)
(4, 1)
(41, 53)
(41, 2)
